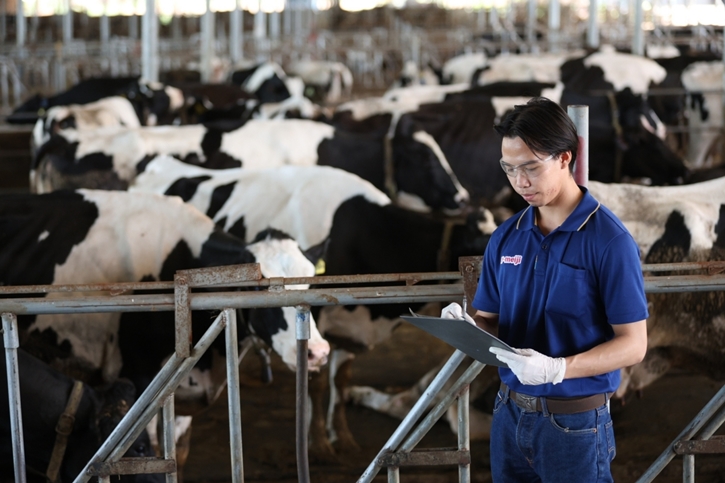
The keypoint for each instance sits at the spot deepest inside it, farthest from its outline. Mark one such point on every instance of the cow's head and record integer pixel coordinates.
(160, 103)
(644, 153)
(471, 236)
(266, 81)
(280, 256)
(114, 402)
(423, 176)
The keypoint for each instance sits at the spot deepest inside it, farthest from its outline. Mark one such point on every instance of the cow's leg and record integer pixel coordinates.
(339, 386)
(320, 448)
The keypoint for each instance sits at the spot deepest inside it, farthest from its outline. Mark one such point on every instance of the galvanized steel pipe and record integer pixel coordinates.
(234, 397)
(12, 342)
(302, 330)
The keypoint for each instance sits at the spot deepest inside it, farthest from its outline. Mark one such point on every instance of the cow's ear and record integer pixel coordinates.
(317, 255)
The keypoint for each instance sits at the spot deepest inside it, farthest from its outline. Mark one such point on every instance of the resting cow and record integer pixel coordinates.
(324, 81)
(44, 395)
(110, 159)
(360, 231)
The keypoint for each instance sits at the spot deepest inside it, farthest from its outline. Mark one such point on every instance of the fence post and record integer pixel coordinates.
(12, 342)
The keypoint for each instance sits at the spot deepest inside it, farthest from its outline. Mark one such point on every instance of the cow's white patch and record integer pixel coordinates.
(525, 68)
(627, 70)
(264, 144)
(298, 201)
(707, 78)
(460, 69)
(176, 98)
(502, 105)
(264, 72)
(140, 230)
(423, 137)
(356, 325)
(43, 235)
(283, 258)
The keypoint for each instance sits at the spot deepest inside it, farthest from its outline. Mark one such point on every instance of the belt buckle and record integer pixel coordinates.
(528, 402)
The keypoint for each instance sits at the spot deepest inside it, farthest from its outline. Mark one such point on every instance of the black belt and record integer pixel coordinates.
(557, 405)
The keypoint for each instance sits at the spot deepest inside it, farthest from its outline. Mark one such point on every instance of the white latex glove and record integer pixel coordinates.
(531, 367)
(454, 311)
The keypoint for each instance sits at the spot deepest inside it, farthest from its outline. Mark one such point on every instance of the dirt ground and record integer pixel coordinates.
(644, 427)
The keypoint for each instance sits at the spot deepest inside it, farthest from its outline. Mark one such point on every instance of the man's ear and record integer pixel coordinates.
(565, 159)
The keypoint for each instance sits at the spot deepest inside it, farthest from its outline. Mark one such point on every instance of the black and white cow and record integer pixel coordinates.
(114, 111)
(110, 159)
(111, 236)
(463, 68)
(325, 81)
(266, 80)
(44, 394)
(108, 236)
(460, 124)
(675, 224)
(154, 103)
(360, 230)
(685, 330)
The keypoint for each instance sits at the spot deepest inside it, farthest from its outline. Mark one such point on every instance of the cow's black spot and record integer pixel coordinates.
(212, 142)
(271, 234)
(141, 166)
(238, 229)
(674, 244)
(38, 232)
(219, 197)
(185, 187)
(224, 249)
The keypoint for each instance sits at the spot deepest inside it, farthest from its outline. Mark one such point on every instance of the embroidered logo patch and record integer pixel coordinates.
(515, 260)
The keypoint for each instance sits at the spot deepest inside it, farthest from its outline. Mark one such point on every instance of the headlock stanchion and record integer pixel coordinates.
(12, 342)
(302, 331)
(399, 449)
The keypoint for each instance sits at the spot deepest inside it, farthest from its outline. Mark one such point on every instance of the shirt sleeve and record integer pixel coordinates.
(487, 295)
(621, 282)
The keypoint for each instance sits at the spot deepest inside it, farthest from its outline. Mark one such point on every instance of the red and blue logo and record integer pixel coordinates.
(514, 260)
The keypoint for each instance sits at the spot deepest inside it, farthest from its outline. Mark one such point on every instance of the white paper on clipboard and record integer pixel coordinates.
(462, 335)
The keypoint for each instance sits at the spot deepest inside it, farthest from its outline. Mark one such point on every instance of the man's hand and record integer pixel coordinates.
(454, 311)
(531, 367)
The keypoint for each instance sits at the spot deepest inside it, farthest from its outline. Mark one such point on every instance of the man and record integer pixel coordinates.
(562, 282)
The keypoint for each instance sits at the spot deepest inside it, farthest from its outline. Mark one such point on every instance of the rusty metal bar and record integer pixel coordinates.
(226, 274)
(428, 457)
(714, 445)
(12, 342)
(182, 318)
(132, 466)
(121, 288)
(317, 297)
(145, 407)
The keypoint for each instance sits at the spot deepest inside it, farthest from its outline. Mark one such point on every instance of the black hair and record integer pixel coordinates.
(543, 126)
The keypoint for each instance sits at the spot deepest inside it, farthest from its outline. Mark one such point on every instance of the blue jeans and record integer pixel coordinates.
(538, 446)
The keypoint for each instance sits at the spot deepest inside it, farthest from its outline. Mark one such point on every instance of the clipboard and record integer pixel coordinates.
(462, 335)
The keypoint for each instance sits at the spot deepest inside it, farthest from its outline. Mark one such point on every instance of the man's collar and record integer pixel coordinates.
(575, 221)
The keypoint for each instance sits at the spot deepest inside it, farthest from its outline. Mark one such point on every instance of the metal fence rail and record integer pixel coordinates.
(384, 288)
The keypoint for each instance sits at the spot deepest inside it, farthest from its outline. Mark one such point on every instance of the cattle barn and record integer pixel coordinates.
(333, 159)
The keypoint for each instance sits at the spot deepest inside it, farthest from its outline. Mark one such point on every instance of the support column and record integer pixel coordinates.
(67, 23)
(638, 34)
(236, 34)
(150, 44)
(20, 24)
(260, 23)
(207, 42)
(554, 25)
(531, 24)
(274, 25)
(592, 26)
(133, 26)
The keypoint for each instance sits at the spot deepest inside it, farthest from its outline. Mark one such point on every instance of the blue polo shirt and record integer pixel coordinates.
(560, 294)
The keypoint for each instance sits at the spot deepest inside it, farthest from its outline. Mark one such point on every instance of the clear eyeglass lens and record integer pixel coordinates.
(530, 170)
